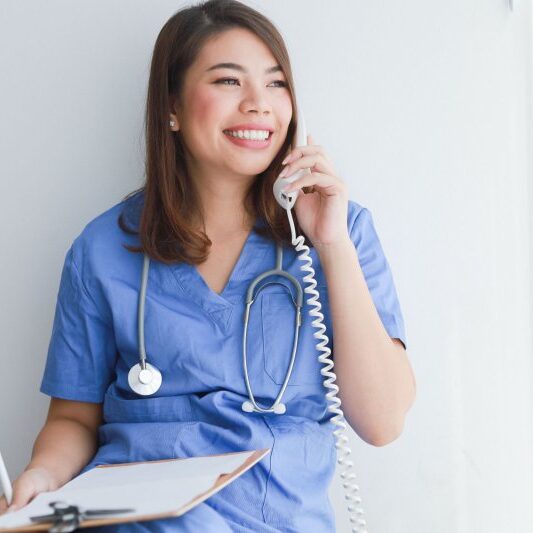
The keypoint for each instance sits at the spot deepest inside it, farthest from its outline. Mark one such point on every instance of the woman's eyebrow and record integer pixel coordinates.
(235, 66)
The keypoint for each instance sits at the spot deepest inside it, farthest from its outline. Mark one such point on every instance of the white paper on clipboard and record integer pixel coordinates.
(154, 488)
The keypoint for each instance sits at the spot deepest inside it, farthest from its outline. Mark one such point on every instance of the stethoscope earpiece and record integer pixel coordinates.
(247, 406)
(278, 408)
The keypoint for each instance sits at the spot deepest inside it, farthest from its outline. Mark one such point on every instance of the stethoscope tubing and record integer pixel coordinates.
(145, 379)
(140, 317)
(277, 407)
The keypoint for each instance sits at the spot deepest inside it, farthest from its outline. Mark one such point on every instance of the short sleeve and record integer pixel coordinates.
(82, 353)
(377, 274)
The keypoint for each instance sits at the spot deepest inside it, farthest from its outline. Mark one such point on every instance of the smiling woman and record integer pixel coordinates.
(232, 110)
(220, 118)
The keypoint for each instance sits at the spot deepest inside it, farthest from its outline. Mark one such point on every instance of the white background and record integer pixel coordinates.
(425, 109)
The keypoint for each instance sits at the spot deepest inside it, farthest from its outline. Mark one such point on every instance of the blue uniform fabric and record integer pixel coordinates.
(194, 336)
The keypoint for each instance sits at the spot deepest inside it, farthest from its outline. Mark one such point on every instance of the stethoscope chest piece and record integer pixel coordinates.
(144, 381)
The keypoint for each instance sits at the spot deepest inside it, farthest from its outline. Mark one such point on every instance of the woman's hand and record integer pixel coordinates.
(30, 483)
(322, 210)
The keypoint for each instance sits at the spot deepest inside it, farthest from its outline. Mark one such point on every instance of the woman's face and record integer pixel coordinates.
(253, 97)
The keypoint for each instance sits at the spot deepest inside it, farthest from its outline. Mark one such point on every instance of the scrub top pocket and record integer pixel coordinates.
(278, 314)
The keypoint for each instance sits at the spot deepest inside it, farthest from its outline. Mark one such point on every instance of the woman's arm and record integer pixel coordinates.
(64, 446)
(376, 382)
(68, 440)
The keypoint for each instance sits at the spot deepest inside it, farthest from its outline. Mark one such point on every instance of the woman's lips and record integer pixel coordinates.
(249, 143)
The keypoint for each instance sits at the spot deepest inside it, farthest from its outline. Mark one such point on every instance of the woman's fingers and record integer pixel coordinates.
(23, 492)
(3, 505)
(30, 483)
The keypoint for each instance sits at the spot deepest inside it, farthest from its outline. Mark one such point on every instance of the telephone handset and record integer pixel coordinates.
(287, 201)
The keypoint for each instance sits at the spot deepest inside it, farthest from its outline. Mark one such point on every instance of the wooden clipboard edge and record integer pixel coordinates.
(181, 458)
(220, 483)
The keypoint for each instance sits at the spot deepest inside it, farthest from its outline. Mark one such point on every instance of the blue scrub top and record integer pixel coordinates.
(194, 336)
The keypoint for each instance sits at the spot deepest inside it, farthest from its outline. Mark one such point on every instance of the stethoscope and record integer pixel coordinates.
(145, 379)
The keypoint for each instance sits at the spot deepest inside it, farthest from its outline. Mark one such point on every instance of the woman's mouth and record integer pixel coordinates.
(254, 139)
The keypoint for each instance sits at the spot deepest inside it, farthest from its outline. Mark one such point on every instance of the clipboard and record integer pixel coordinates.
(107, 486)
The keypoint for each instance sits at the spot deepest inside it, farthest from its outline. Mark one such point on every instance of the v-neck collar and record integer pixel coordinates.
(220, 306)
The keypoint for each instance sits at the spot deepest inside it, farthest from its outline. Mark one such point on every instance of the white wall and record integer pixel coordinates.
(426, 109)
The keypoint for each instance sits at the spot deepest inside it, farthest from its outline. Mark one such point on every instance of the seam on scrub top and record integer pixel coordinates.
(386, 323)
(65, 393)
(269, 468)
(392, 327)
(229, 521)
(86, 291)
(355, 221)
(210, 314)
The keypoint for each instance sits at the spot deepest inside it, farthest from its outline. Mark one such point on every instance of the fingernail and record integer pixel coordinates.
(286, 159)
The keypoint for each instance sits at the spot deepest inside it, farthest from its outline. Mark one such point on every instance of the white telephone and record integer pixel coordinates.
(287, 201)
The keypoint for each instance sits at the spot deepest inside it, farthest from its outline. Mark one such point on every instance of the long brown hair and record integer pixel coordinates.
(169, 203)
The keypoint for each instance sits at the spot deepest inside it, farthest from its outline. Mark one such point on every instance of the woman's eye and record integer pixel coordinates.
(223, 80)
(226, 79)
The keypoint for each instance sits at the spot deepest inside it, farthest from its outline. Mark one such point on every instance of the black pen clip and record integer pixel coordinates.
(67, 517)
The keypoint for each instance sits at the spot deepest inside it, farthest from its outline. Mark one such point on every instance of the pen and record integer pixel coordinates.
(4, 481)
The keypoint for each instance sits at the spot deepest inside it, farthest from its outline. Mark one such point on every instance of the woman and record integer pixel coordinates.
(207, 218)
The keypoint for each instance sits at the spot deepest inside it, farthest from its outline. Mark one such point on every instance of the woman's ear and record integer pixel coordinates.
(173, 121)
(173, 116)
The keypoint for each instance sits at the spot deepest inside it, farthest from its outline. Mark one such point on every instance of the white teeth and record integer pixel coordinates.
(254, 135)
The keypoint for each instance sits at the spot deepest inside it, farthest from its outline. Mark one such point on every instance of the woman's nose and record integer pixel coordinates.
(256, 99)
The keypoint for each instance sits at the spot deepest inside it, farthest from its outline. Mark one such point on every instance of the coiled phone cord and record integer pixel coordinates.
(354, 507)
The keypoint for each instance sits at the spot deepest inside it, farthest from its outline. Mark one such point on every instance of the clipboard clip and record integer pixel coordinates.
(67, 517)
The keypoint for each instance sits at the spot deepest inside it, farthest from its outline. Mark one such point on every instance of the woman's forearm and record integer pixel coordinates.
(63, 448)
(376, 385)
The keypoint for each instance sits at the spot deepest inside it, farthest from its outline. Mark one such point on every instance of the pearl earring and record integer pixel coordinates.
(172, 123)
